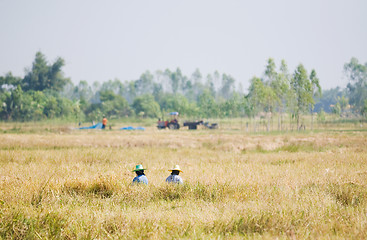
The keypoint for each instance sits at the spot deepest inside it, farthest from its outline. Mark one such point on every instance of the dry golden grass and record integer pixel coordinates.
(76, 184)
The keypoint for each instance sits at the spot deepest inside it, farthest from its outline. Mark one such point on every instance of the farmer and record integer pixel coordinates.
(104, 122)
(174, 178)
(140, 176)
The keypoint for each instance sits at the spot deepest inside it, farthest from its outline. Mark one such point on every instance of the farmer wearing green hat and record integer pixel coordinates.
(174, 178)
(140, 176)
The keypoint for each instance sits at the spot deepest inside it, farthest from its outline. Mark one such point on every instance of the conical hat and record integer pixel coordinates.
(138, 167)
(176, 168)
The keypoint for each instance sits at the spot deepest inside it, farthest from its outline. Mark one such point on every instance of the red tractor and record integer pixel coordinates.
(172, 124)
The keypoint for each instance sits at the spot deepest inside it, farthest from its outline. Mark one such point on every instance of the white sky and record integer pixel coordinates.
(103, 40)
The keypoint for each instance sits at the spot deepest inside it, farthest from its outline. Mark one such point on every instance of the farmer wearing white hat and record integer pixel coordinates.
(174, 178)
(140, 176)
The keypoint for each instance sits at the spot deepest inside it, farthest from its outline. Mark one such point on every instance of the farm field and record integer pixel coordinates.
(74, 184)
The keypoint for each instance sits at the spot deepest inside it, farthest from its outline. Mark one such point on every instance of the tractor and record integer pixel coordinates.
(172, 124)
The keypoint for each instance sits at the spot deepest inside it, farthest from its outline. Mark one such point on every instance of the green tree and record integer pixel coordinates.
(38, 104)
(315, 91)
(9, 81)
(231, 107)
(113, 105)
(364, 109)
(66, 107)
(207, 105)
(262, 97)
(273, 89)
(51, 107)
(43, 76)
(270, 71)
(176, 103)
(302, 89)
(357, 86)
(281, 89)
(255, 95)
(146, 106)
(157, 91)
(14, 104)
(255, 98)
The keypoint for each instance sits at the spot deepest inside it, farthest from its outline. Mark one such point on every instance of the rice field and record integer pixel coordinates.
(59, 183)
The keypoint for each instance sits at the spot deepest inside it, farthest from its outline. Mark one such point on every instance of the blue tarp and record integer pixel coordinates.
(173, 113)
(132, 128)
(97, 126)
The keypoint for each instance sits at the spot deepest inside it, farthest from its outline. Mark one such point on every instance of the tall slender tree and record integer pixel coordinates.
(315, 91)
(281, 88)
(273, 89)
(302, 89)
(357, 86)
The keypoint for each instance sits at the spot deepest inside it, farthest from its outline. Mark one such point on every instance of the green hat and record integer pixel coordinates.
(138, 168)
(176, 168)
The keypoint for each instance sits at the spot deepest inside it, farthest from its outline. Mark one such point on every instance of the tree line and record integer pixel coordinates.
(44, 92)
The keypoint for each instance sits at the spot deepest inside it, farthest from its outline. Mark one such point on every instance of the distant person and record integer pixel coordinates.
(140, 176)
(104, 122)
(174, 177)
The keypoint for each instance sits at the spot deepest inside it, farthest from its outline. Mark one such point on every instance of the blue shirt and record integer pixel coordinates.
(141, 179)
(174, 179)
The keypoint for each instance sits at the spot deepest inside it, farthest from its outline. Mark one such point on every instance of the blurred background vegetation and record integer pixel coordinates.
(279, 96)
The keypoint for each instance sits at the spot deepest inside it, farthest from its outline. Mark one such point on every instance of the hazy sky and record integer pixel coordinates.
(103, 40)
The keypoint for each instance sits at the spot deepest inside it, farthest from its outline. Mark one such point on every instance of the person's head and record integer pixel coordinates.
(176, 170)
(139, 170)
